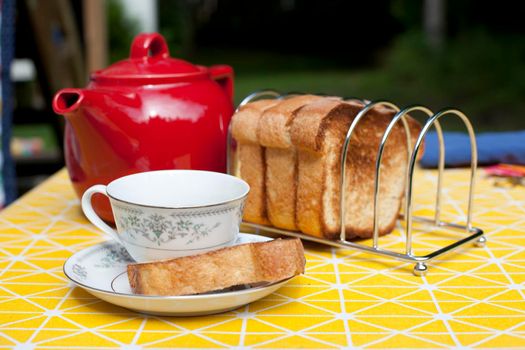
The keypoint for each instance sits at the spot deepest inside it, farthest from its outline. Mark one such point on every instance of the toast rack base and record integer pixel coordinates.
(472, 234)
(420, 261)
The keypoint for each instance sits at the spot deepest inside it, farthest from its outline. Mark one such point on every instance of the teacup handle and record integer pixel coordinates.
(88, 210)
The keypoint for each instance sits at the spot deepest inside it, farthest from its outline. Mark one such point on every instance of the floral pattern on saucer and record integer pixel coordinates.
(115, 255)
(111, 256)
(80, 271)
(101, 270)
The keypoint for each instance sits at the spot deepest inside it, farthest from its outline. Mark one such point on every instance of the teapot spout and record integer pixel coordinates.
(68, 101)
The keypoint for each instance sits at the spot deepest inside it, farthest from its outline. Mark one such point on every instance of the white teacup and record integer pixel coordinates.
(171, 213)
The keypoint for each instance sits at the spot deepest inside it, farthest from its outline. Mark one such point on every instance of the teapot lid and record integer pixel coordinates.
(149, 63)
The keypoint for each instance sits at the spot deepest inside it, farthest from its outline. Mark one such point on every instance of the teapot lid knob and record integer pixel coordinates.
(147, 45)
(149, 63)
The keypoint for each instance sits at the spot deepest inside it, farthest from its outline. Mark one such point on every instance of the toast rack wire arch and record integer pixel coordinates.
(474, 234)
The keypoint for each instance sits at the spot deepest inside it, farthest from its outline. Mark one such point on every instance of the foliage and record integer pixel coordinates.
(482, 75)
(170, 24)
(121, 30)
(480, 69)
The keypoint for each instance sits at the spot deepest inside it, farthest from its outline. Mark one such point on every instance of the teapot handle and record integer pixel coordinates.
(223, 74)
(149, 45)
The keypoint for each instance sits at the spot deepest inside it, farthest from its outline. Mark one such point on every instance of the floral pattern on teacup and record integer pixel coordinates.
(160, 229)
(185, 225)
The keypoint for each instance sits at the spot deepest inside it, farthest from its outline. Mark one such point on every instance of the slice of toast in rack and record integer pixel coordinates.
(318, 132)
(245, 264)
(250, 155)
(281, 160)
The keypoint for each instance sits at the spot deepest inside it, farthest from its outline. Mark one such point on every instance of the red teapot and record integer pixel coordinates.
(148, 112)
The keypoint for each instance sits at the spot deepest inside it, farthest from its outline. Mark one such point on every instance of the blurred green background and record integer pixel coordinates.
(466, 54)
(439, 53)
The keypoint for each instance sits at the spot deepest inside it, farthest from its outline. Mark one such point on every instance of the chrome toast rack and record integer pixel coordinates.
(471, 234)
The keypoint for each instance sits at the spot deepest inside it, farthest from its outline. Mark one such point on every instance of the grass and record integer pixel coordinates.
(501, 112)
(482, 75)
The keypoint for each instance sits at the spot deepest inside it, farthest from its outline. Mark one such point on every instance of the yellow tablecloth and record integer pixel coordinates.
(472, 298)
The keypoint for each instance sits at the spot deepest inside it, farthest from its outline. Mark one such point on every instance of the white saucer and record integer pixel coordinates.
(101, 270)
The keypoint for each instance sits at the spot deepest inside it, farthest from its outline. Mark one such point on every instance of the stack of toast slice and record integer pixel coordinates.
(245, 129)
(295, 177)
(280, 171)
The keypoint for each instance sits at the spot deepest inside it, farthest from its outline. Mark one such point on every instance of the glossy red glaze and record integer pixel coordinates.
(150, 112)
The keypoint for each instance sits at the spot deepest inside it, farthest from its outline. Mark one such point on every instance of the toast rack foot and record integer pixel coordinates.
(420, 269)
(481, 242)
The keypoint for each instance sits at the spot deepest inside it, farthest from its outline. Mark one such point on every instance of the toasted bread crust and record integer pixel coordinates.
(245, 123)
(252, 166)
(275, 121)
(317, 132)
(313, 132)
(281, 160)
(281, 178)
(251, 263)
(252, 169)
(324, 145)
